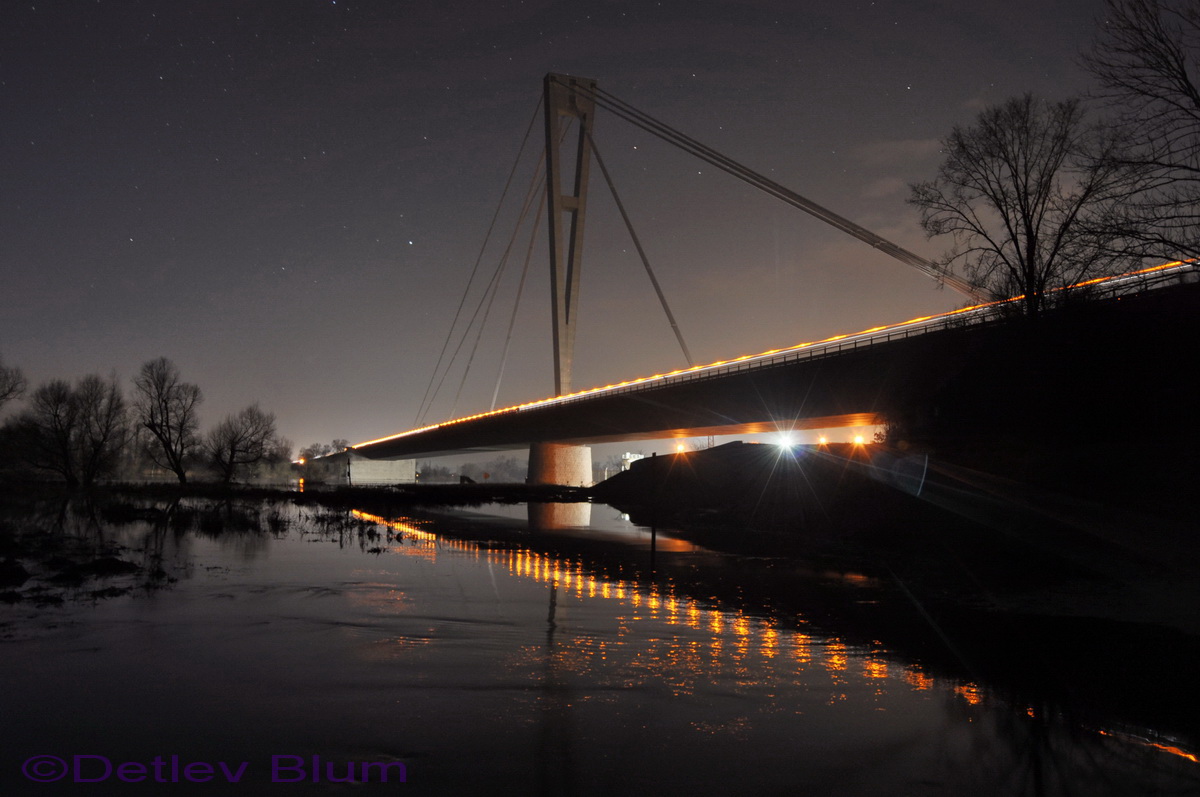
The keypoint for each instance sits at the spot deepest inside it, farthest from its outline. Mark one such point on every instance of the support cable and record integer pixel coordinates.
(427, 398)
(485, 301)
(536, 187)
(662, 299)
(490, 296)
(537, 220)
(690, 145)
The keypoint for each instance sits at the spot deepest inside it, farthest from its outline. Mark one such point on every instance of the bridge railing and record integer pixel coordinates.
(995, 312)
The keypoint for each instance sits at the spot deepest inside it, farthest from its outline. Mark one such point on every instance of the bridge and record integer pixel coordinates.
(847, 380)
(856, 379)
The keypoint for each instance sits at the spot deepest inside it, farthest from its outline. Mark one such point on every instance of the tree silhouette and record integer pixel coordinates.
(1024, 200)
(1147, 58)
(166, 406)
(12, 383)
(76, 432)
(243, 439)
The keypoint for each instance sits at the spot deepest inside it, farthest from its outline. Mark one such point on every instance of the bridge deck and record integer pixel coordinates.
(848, 380)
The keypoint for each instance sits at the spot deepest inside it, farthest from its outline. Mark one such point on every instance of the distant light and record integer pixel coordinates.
(858, 440)
(680, 448)
(823, 440)
(786, 440)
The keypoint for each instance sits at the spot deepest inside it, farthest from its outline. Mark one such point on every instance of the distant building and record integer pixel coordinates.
(347, 467)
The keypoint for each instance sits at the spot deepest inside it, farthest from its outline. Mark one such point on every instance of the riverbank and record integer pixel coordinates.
(948, 529)
(54, 546)
(844, 495)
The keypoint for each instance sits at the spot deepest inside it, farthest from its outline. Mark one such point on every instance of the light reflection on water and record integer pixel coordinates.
(496, 667)
(754, 648)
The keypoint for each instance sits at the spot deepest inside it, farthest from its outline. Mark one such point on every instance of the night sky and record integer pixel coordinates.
(287, 198)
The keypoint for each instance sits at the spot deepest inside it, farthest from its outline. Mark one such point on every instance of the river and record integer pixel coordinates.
(477, 653)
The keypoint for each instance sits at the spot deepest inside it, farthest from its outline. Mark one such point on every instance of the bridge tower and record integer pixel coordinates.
(568, 100)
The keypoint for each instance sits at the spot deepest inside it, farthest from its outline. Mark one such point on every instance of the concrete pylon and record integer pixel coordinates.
(567, 99)
(558, 463)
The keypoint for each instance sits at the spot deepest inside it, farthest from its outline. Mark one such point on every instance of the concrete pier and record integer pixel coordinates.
(557, 463)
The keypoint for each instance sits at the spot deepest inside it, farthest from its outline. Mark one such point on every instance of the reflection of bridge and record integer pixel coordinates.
(848, 380)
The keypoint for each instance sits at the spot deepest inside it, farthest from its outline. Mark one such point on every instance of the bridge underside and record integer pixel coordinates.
(848, 420)
(834, 392)
(1005, 380)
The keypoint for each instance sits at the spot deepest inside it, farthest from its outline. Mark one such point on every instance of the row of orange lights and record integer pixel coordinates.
(650, 603)
(837, 655)
(798, 347)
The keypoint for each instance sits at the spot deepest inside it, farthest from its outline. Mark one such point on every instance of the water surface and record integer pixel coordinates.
(487, 658)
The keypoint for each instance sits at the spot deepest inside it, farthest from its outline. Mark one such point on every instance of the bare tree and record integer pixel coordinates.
(429, 473)
(47, 429)
(316, 450)
(1147, 59)
(324, 449)
(103, 425)
(76, 432)
(502, 469)
(12, 383)
(240, 440)
(276, 464)
(1022, 198)
(279, 452)
(166, 407)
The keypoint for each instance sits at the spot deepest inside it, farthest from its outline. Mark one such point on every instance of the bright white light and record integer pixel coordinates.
(786, 440)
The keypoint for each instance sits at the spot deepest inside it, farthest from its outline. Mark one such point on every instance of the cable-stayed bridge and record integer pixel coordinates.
(848, 380)
(851, 380)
